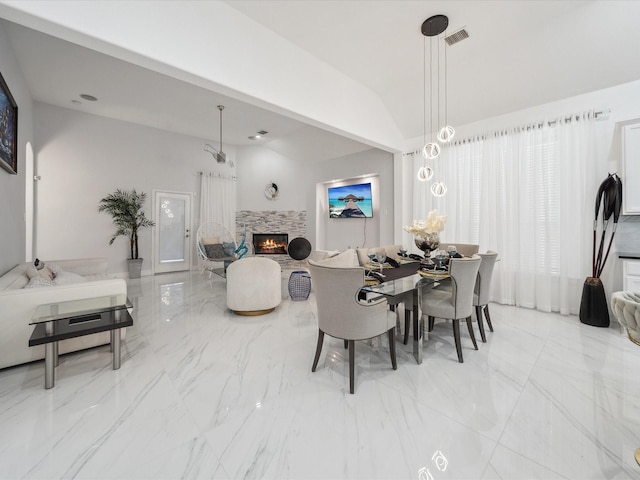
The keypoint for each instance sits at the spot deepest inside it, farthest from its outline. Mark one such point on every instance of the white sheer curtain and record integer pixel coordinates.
(218, 200)
(528, 194)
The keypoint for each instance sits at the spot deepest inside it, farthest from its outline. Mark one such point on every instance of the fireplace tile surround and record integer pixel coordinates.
(290, 222)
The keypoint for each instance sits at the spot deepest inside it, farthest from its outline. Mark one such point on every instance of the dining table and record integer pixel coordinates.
(404, 284)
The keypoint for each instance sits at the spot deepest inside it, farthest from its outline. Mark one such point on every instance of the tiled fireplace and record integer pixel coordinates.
(282, 226)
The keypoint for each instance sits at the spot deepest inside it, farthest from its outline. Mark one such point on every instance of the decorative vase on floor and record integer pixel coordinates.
(427, 243)
(593, 306)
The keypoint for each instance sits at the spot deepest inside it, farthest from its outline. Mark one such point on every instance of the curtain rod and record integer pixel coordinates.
(602, 114)
(219, 175)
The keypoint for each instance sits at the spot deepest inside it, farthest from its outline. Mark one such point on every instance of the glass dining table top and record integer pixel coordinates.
(402, 285)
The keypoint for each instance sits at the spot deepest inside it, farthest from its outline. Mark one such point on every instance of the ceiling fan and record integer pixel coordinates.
(219, 155)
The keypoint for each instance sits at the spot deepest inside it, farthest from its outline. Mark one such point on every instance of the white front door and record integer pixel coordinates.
(172, 238)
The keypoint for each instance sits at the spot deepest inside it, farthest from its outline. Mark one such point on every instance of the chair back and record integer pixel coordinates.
(215, 242)
(340, 313)
(485, 273)
(626, 308)
(463, 272)
(464, 249)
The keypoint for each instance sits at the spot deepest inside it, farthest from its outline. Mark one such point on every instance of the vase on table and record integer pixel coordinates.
(427, 243)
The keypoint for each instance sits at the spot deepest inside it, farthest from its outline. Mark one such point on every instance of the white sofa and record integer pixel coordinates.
(17, 305)
(352, 257)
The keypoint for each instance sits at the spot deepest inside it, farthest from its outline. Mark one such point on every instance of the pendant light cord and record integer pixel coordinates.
(220, 107)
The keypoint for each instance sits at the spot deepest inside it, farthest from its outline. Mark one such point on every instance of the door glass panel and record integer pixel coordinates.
(171, 228)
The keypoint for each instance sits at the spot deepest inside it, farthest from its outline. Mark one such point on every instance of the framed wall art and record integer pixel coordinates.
(8, 129)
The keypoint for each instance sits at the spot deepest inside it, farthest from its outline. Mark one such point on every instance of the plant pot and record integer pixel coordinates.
(594, 310)
(135, 267)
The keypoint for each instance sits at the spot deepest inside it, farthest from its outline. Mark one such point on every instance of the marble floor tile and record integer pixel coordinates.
(203, 393)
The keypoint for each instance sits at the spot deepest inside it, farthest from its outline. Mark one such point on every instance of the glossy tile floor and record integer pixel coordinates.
(203, 393)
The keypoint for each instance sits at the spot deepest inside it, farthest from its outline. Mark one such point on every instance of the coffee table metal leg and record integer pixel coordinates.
(49, 365)
(115, 346)
(50, 358)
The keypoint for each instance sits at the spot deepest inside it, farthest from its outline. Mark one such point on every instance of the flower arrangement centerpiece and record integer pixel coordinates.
(427, 232)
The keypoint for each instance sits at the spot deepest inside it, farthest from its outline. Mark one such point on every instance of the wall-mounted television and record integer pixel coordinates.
(350, 201)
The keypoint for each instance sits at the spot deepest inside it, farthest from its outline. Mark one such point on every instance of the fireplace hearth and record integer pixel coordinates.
(270, 243)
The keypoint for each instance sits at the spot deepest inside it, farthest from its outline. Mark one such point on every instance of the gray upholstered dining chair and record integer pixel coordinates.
(464, 249)
(482, 290)
(341, 315)
(626, 308)
(455, 303)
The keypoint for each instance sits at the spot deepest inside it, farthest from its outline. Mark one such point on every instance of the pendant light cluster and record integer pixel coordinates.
(433, 27)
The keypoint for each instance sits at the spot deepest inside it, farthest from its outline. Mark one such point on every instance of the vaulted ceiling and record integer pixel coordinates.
(519, 54)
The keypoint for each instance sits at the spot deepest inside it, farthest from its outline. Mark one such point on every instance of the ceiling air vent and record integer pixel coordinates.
(456, 37)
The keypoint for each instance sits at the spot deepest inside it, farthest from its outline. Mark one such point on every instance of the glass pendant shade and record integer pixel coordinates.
(431, 150)
(425, 173)
(446, 133)
(438, 189)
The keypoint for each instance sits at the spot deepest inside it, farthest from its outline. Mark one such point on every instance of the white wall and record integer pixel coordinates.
(256, 167)
(81, 158)
(301, 188)
(13, 187)
(332, 234)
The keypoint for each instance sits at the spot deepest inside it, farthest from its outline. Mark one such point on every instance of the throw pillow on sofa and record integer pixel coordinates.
(37, 282)
(68, 278)
(214, 251)
(44, 272)
(347, 259)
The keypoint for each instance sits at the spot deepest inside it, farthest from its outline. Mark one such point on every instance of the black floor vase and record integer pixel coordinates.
(593, 307)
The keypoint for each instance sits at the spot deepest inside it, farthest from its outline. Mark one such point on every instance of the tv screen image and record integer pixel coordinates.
(350, 201)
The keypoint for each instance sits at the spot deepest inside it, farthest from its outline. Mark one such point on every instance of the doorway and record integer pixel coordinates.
(172, 235)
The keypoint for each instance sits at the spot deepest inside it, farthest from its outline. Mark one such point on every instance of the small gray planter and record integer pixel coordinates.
(135, 267)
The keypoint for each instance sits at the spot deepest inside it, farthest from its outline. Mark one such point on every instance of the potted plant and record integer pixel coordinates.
(125, 208)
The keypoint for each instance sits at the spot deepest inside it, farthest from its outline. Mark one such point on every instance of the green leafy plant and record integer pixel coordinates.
(125, 208)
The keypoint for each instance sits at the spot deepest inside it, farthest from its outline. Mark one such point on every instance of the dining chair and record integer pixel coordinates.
(464, 249)
(626, 308)
(341, 315)
(482, 290)
(455, 303)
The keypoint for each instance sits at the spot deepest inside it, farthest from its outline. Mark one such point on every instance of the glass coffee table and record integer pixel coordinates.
(60, 321)
(406, 290)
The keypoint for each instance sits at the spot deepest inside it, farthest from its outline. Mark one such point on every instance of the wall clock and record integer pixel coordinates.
(271, 191)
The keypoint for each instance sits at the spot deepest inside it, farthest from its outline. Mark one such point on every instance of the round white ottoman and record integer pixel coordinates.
(253, 286)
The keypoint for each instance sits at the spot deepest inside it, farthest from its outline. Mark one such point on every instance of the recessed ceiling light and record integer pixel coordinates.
(88, 97)
(77, 102)
(262, 132)
(254, 137)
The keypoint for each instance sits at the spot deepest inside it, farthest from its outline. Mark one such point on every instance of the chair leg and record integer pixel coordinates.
(480, 323)
(318, 350)
(456, 336)
(432, 321)
(352, 365)
(346, 344)
(471, 334)
(486, 312)
(407, 324)
(392, 349)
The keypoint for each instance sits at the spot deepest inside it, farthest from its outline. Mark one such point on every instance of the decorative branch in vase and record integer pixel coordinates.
(593, 304)
(427, 232)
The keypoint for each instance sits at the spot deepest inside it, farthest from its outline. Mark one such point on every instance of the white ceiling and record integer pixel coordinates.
(519, 54)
